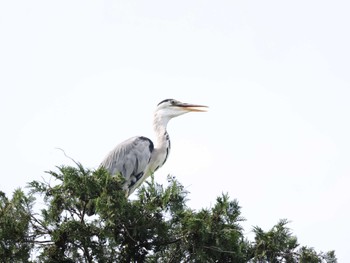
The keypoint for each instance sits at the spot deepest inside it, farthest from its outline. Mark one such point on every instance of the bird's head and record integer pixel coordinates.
(171, 108)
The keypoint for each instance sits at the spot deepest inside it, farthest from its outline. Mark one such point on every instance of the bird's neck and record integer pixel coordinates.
(162, 136)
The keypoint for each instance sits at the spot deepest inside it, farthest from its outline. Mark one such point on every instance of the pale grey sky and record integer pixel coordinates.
(86, 75)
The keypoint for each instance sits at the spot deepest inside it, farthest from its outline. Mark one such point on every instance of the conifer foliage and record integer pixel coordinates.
(82, 215)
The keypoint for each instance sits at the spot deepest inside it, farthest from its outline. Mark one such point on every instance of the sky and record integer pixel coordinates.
(85, 75)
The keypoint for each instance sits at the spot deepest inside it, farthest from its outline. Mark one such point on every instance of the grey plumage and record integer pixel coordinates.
(137, 158)
(130, 158)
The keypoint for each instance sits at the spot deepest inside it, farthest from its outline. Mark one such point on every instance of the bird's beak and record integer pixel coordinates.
(192, 107)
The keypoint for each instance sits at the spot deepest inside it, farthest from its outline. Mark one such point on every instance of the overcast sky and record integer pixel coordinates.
(86, 75)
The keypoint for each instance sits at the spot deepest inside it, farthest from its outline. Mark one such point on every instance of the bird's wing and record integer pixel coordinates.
(130, 158)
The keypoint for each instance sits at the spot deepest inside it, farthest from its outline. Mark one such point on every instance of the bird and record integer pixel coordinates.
(138, 157)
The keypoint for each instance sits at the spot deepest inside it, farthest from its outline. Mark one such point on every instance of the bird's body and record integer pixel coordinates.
(137, 158)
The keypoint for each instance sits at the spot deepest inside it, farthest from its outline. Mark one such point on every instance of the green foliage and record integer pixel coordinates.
(279, 245)
(85, 217)
(16, 242)
(276, 245)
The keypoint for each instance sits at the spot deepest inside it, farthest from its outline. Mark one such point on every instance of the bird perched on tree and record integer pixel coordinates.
(137, 158)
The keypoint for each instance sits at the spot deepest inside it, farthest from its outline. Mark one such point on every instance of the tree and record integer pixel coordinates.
(87, 218)
(16, 242)
(279, 245)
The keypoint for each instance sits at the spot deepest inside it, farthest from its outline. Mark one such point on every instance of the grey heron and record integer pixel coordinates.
(137, 158)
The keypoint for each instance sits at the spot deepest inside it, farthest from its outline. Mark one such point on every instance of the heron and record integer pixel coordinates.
(138, 157)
